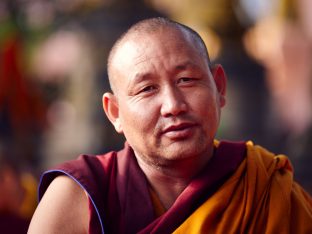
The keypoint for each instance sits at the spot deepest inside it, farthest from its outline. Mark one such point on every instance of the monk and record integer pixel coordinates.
(172, 176)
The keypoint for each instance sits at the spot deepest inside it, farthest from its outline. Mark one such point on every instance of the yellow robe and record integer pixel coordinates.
(260, 197)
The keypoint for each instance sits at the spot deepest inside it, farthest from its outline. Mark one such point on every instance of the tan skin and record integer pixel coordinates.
(167, 104)
(58, 211)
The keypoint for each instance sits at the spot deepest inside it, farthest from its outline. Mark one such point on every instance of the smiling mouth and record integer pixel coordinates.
(180, 131)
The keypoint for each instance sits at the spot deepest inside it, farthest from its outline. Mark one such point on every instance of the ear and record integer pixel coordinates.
(111, 109)
(220, 80)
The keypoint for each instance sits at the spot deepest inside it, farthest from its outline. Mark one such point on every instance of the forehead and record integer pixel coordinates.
(162, 44)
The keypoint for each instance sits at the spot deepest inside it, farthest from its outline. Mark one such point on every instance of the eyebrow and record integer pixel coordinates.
(138, 78)
(141, 76)
(185, 65)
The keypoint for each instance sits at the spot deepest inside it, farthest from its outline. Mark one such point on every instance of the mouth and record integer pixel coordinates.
(179, 131)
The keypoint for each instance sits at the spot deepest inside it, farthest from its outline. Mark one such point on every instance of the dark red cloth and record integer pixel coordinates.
(119, 193)
(13, 224)
(117, 189)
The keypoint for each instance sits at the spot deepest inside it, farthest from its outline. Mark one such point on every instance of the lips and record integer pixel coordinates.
(178, 131)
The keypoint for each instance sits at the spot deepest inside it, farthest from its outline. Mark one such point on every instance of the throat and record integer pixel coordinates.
(170, 179)
(164, 195)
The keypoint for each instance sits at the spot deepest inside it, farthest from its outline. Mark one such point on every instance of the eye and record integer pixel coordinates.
(147, 89)
(185, 79)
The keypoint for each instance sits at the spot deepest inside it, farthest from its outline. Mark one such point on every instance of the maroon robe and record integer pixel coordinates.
(119, 192)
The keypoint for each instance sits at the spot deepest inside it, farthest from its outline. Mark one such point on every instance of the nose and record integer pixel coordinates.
(173, 103)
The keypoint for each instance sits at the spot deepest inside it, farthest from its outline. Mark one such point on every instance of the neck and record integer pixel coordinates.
(170, 179)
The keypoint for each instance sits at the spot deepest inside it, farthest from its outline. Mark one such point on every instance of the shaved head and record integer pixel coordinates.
(149, 27)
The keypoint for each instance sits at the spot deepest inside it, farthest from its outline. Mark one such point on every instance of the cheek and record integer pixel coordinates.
(138, 118)
(204, 102)
(207, 109)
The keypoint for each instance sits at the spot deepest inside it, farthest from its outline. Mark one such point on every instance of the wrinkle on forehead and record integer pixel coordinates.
(164, 44)
(137, 46)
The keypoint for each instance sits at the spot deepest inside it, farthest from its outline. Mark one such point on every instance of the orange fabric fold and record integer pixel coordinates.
(260, 197)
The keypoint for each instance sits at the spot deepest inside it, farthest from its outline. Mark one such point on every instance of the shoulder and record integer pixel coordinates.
(267, 160)
(58, 211)
(63, 194)
(87, 170)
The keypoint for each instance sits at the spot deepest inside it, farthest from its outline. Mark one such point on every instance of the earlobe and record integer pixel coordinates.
(219, 77)
(111, 109)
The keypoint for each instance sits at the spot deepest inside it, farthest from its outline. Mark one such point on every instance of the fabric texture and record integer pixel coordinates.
(234, 193)
(261, 197)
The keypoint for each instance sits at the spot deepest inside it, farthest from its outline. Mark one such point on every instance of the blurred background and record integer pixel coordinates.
(53, 74)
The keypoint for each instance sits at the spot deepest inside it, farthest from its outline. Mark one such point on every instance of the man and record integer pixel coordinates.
(172, 176)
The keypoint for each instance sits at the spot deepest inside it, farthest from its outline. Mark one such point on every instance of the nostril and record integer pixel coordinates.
(173, 108)
(173, 102)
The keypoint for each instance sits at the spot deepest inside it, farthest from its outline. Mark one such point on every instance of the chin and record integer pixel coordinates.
(179, 152)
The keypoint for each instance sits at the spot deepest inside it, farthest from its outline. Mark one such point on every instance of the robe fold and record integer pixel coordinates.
(243, 189)
(261, 197)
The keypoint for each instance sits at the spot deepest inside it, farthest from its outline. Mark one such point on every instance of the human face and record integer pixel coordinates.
(168, 105)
